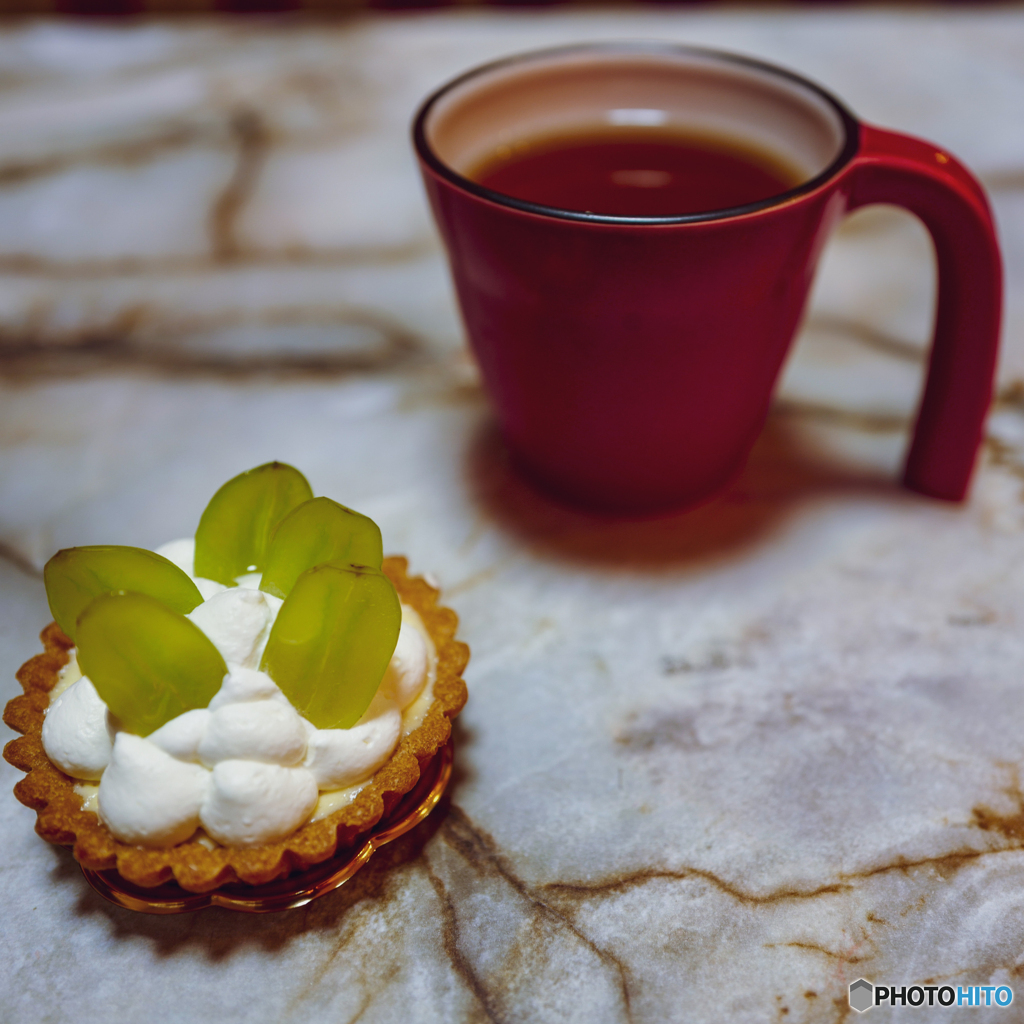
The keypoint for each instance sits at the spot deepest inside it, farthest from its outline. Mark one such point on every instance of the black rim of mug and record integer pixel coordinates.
(850, 124)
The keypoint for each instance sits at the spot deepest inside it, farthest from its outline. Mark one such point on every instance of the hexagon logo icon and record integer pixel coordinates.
(862, 995)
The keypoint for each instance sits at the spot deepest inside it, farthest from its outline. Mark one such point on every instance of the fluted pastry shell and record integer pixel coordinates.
(193, 865)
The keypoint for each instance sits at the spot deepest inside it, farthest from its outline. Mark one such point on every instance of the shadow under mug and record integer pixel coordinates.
(632, 359)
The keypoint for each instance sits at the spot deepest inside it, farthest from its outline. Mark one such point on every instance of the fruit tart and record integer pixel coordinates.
(237, 707)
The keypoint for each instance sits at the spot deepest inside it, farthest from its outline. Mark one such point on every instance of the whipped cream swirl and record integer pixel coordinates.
(248, 769)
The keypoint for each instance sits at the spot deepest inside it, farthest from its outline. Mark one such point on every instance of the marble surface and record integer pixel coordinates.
(713, 767)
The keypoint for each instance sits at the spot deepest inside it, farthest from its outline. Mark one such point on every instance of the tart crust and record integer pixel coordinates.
(195, 867)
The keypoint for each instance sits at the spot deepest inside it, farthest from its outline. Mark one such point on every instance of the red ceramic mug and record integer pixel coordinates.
(632, 359)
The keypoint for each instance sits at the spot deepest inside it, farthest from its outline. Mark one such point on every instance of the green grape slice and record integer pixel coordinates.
(148, 663)
(332, 641)
(75, 576)
(236, 526)
(317, 532)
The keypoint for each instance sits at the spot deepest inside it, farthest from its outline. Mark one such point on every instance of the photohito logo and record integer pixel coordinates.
(864, 995)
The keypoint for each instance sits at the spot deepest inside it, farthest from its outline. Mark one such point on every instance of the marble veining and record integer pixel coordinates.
(714, 767)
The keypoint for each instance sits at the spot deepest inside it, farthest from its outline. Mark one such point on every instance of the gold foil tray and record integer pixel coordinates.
(296, 890)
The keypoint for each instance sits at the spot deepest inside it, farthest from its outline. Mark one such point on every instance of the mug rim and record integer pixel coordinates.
(851, 129)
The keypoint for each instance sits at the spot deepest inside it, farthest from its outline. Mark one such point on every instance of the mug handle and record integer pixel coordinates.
(948, 199)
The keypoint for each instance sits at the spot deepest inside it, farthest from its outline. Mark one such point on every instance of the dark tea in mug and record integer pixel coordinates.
(633, 231)
(636, 172)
